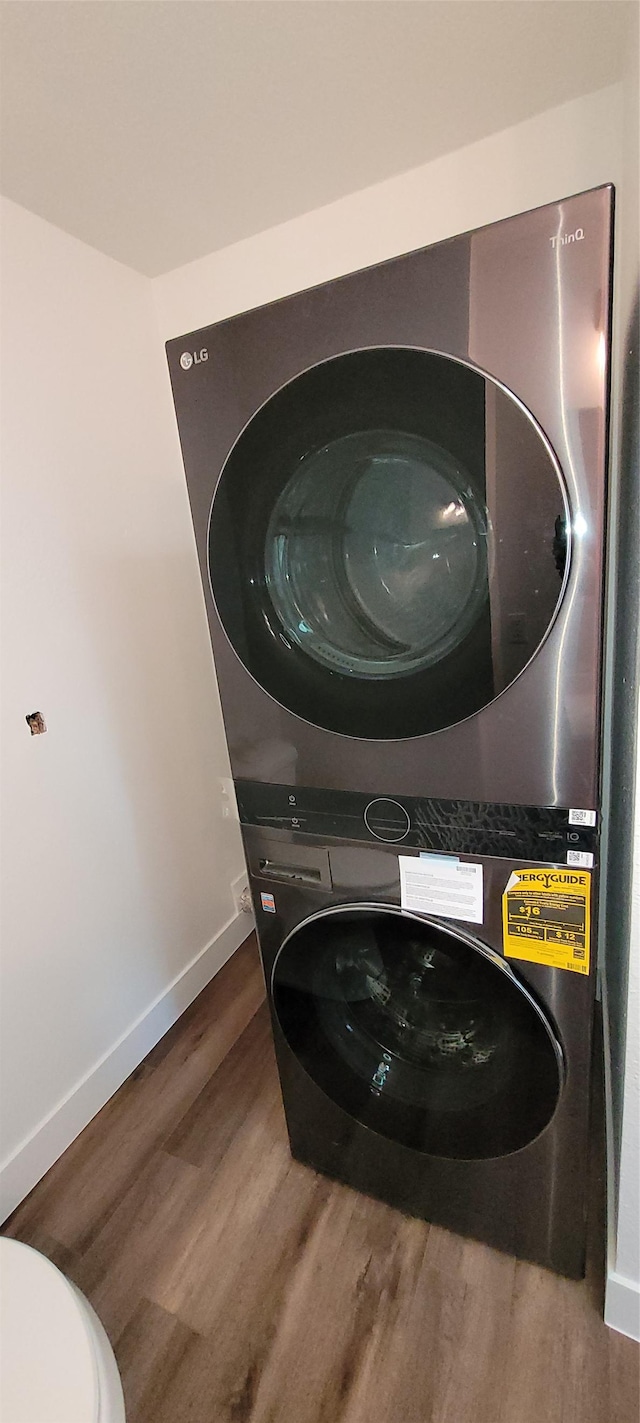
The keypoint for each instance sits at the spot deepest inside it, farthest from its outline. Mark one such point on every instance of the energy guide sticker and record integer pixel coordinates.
(546, 917)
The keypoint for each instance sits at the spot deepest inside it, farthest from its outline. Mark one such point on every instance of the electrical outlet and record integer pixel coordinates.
(241, 894)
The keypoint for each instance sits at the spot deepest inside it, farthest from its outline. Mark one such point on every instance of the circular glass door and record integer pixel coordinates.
(417, 1033)
(387, 543)
(395, 573)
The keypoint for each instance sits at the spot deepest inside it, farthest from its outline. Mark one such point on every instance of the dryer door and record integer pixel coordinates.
(387, 543)
(418, 1032)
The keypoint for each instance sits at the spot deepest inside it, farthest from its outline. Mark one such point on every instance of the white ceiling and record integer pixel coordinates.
(160, 130)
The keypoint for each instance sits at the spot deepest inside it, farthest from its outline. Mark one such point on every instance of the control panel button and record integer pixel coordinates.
(387, 820)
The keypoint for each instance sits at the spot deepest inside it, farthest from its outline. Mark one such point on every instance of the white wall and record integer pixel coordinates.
(621, 997)
(562, 151)
(568, 149)
(622, 1303)
(116, 860)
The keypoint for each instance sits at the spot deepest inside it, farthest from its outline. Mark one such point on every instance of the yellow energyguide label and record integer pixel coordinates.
(546, 917)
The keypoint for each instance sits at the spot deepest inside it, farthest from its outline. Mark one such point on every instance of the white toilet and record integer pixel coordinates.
(56, 1363)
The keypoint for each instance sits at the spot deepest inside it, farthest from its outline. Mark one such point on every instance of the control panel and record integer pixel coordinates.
(460, 827)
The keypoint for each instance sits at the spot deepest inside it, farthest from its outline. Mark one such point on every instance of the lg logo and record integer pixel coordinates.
(193, 358)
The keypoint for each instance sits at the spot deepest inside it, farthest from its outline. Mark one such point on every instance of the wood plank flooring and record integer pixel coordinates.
(239, 1287)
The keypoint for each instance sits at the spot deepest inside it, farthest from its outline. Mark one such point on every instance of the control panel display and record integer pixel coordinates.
(460, 827)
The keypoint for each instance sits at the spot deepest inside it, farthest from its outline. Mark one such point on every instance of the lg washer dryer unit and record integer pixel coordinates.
(397, 483)
(420, 1062)
(398, 491)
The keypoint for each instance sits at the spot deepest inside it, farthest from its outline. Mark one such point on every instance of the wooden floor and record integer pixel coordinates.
(237, 1285)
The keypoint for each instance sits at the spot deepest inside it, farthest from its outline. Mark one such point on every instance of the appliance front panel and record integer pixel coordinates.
(530, 1201)
(361, 560)
(307, 875)
(527, 301)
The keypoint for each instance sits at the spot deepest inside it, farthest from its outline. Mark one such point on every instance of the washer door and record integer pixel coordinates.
(417, 1032)
(387, 543)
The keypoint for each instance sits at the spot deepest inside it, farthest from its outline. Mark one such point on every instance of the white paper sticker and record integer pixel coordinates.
(582, 817)
(442, 886)
(268, 903)
(582, 858)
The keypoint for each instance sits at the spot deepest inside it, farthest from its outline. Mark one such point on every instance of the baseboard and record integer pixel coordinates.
(21, 1171)
(622, 1305)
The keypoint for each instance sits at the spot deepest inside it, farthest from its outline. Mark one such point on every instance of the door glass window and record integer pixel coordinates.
(417, 1034)
(387, 543)
(376, 554)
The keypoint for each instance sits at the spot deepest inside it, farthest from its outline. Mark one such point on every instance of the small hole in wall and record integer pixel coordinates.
(36, 723)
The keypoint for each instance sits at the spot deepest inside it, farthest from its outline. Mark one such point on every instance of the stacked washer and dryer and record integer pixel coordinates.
(397, 482)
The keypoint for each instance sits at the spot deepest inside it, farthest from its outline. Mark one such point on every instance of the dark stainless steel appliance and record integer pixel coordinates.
(397, 483)
(398, 488)
(417, 1063)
